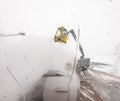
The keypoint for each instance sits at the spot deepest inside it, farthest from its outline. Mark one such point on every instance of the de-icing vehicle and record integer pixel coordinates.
(61, 86)
(62, 36)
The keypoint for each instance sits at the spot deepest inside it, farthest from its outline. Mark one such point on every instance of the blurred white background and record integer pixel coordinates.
(28, 57)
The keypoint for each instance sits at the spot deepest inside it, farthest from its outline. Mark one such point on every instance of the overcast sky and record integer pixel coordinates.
(99, 20)
(30, 56)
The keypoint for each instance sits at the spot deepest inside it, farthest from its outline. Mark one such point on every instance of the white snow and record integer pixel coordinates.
(28, 57)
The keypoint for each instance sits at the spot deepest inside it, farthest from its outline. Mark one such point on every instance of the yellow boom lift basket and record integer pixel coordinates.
(61, 35)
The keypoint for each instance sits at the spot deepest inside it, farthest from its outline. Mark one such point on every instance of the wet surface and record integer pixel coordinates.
(99, 86)
(88, 91)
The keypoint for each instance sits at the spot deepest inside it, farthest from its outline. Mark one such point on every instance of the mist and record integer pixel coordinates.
(24, 59)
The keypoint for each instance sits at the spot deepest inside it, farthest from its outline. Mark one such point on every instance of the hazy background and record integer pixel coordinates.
(23, 59)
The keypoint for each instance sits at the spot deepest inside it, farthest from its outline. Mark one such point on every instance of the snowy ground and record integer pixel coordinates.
(106, 85)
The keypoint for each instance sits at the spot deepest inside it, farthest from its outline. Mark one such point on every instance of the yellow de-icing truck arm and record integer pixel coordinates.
(62, 36)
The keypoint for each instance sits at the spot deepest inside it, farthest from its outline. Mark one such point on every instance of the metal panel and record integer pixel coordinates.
(55, 89)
